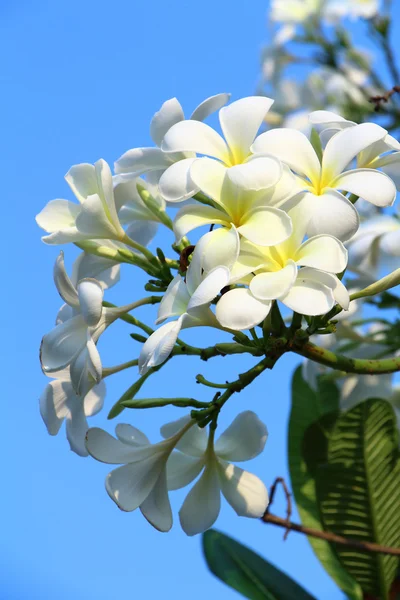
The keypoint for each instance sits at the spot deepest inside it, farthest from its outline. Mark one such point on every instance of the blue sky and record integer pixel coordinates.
(80, 81)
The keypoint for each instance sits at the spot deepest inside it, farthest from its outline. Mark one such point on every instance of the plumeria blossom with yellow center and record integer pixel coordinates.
(141, 481)
(196, 453)
(272, 273)
(153, 161)
(323, 182)
(240, 122)
(255, 214)
(189, 299)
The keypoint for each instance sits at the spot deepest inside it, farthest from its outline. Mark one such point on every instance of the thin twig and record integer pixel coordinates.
(384, 98)
(330, 537)
(288, 495)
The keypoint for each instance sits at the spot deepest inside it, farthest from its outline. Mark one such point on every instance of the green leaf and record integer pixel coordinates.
(307, 408)
(247, 572)
(358, 491)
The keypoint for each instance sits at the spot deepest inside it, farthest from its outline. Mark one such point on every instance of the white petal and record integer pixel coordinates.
(326, 118)
(156, 508)
(90, 294)
(390, 243)
(63, 283)
(216, 248)
(66, 312)
(159, 345)
(192, 216)
(104, 270)
(373, 186)
(238, 309)
(240, 122)
(392, 167)
(245, 492)
(142, 232)
(343, 147)
(244, 439)
(105, 448)
(323, 252)
(266, 226)
(339, 291)
(192, 443)
(194, 136)
(209, 106)
(170, 113)
(86, 368)
(82, 180)
(76, 428)
(93, 220)
(62, 344)
(182, 470)
(176, 184)
(291, 147)
(201, 507)
(209, 288)
(333, 214)
(94, 400)
(66, 236)
(309, 297)
(258, 173)
(106, 189)
(175, 300)
(269, 286)
(53, 404)
(58, 214)
(142, 160)
(130, 484)
(131, 435)
(209, 176)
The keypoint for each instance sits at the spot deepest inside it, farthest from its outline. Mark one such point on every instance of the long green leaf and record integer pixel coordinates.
(247, 572)
(307, 408)
(359, 491)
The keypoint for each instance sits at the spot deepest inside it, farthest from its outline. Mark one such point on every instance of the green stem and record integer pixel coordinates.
(133, 320)
(159, 402)
(201, 379)
(136, 246)
(117, 369)
(344, 363)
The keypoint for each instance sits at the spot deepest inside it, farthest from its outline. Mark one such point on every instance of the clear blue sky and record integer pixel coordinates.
(80, 81)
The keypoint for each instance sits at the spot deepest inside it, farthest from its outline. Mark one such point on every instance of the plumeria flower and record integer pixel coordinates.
(106, 271)
(244, 439)
(355, 9)
(331, 211)
(152, 160)
(190, 299)
(273, 274)
(72, 343)
(142, 481)
(292, 13)
(59, 402)
(240, 122)
(255, 214)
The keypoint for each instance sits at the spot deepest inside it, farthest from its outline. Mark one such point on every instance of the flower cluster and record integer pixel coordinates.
(273, 213)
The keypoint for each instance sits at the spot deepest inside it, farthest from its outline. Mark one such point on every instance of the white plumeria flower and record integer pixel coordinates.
(104, 270)
(94, 218)
(190, 299)
(60, 402)
(255, 214)
(240, 122)
(244, 439)
(142, 481)
(273, 274)
(331, 212)
(383, 154)
(72, 343)
(152, 160)
(355, 9)
(292, 13)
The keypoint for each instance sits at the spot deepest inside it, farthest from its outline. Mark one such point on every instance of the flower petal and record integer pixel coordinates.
(86, 368)
(62, 344)
(76, 427)
(373, 186)
(266, 226)
(175, 300)
(192, 216)
(240, 122)
(90, 293)
(323, 252)
(244, 439)
(142, 160)
(82, 180)
(128, 434)
(58, 214)
(182, 470)
(269, 286)
(158, 346)
(176, 184)
(344, 146)
(171, 112)
(209, 288)
(291, 147)
(258, 173)
(94, 400)
(332, 214)
(340, 293)
(245, 492)
(142, 232)
(309, 297)
(201, 507)
(156, 508)
(209, 106)
(93, 221)
(104, 270)
(238, 309)
(195, 136)
(209, 176)
(63, 283)
(390, 243)
(216, 248)
(194, 440)
(53, 404)
(105, 448)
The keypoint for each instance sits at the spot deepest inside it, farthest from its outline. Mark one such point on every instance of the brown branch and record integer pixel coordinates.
(384, 98)
(330, 537)
(288, 496)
